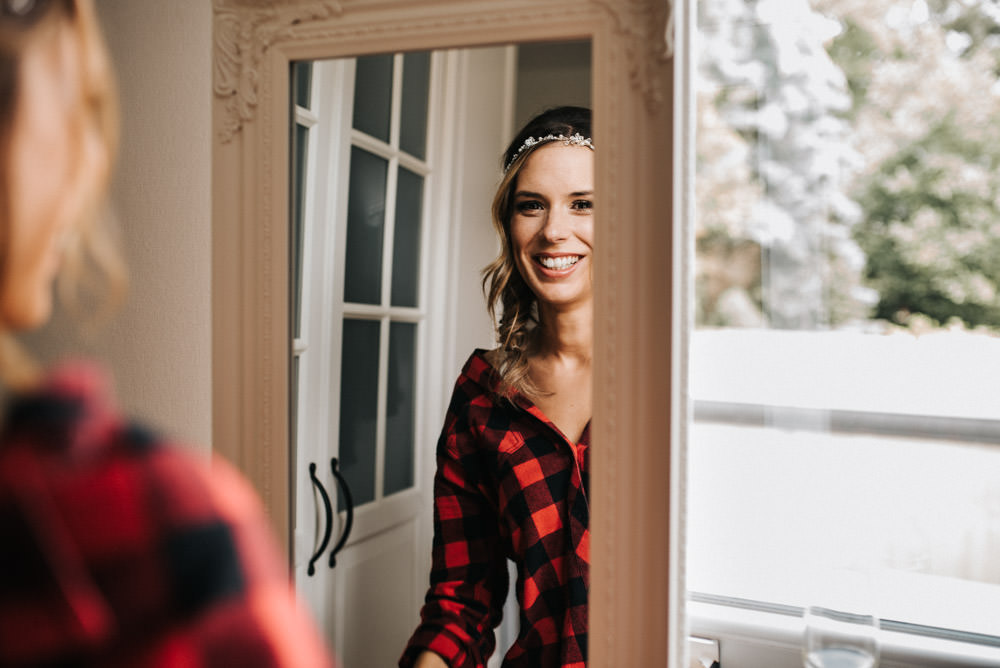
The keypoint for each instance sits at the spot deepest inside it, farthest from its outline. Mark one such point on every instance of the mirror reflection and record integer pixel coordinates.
(395, 161)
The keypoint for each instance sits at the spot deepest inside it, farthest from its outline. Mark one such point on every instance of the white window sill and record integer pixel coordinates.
(755, 635)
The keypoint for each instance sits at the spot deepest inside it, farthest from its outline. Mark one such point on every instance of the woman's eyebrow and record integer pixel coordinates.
(528, 193)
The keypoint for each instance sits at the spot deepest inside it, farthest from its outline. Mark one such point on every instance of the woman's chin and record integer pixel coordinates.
(563, 299)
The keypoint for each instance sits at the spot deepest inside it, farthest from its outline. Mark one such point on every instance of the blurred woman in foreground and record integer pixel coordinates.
(117, 549)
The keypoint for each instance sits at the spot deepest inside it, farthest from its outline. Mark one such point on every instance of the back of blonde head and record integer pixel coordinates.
(92, 271)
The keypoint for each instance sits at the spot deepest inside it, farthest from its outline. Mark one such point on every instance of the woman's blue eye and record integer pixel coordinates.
(583, 204)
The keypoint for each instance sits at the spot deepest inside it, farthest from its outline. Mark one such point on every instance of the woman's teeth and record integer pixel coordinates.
(562, 262)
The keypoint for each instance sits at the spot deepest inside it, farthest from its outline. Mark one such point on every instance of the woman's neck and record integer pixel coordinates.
(567, 334)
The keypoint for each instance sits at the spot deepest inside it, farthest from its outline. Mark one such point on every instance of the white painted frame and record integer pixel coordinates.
(637, 589)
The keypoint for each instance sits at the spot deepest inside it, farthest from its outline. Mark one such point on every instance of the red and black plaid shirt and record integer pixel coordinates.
(509, 485)
(118, 551)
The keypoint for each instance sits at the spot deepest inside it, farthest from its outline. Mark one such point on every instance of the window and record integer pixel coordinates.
(846, 342)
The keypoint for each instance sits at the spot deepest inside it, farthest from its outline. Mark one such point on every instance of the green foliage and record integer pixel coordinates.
(926, 122)
(975, 21)
(854, 51)
(931, 228)
(871, 195)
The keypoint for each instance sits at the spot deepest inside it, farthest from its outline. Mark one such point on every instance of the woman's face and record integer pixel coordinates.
(552, 228)
(58, 163)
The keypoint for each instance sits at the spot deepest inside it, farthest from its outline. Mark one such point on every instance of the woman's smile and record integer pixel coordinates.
(557, 264)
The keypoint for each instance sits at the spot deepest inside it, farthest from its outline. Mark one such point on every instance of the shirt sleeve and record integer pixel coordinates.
(124, 550)
(271, 613)
(468, 582)
(150, 559)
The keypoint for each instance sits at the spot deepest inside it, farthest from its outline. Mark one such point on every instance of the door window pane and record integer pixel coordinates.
(373, 95)
(416, 83)
(293, 403)
(365, 227)
(406, 244)
(302, 83)
(298, 225)
(399, 407)
(359, 407)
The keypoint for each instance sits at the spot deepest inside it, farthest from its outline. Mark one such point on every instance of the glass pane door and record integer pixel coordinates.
(382, 307)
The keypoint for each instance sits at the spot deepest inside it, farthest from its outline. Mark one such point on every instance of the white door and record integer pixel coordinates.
(382, 301)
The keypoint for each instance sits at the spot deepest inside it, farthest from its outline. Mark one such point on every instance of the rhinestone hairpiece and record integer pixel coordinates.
(573, 140)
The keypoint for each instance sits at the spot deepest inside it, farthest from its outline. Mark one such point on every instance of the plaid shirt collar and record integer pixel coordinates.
(481, 372)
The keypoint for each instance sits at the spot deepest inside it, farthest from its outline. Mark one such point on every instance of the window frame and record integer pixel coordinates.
(756, 634)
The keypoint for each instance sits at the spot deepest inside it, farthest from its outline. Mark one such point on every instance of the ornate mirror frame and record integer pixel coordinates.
(637, 590)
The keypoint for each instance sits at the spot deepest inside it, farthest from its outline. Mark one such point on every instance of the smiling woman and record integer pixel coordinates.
(538, 190)
(513, 463)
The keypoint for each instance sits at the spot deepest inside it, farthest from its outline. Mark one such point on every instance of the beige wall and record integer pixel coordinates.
(158, 347)
(551, 74)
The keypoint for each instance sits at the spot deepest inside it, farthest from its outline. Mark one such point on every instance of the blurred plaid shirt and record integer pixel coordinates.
(509, 485)
(116, 550)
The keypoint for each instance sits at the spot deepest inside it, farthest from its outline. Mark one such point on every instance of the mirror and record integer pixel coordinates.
(394, 163)
(633, 559)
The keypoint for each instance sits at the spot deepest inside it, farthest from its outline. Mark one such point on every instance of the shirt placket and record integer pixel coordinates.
(578, 518)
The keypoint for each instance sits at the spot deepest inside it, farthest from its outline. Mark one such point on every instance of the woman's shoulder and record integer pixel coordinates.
(482, 373)
(70, 412)
(481, 356)
(478, 369)
(73, 417)
(477, 387)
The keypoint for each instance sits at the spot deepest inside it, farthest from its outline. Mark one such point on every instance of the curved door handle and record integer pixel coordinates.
(350, 511)
(329, 518)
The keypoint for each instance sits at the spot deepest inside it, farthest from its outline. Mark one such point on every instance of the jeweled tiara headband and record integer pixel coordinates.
(573, 140)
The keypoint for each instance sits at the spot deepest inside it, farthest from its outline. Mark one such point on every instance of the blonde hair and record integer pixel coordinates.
(92, 271)
(507, 295)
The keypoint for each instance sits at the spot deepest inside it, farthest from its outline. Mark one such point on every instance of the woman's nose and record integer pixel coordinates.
(557, 226)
